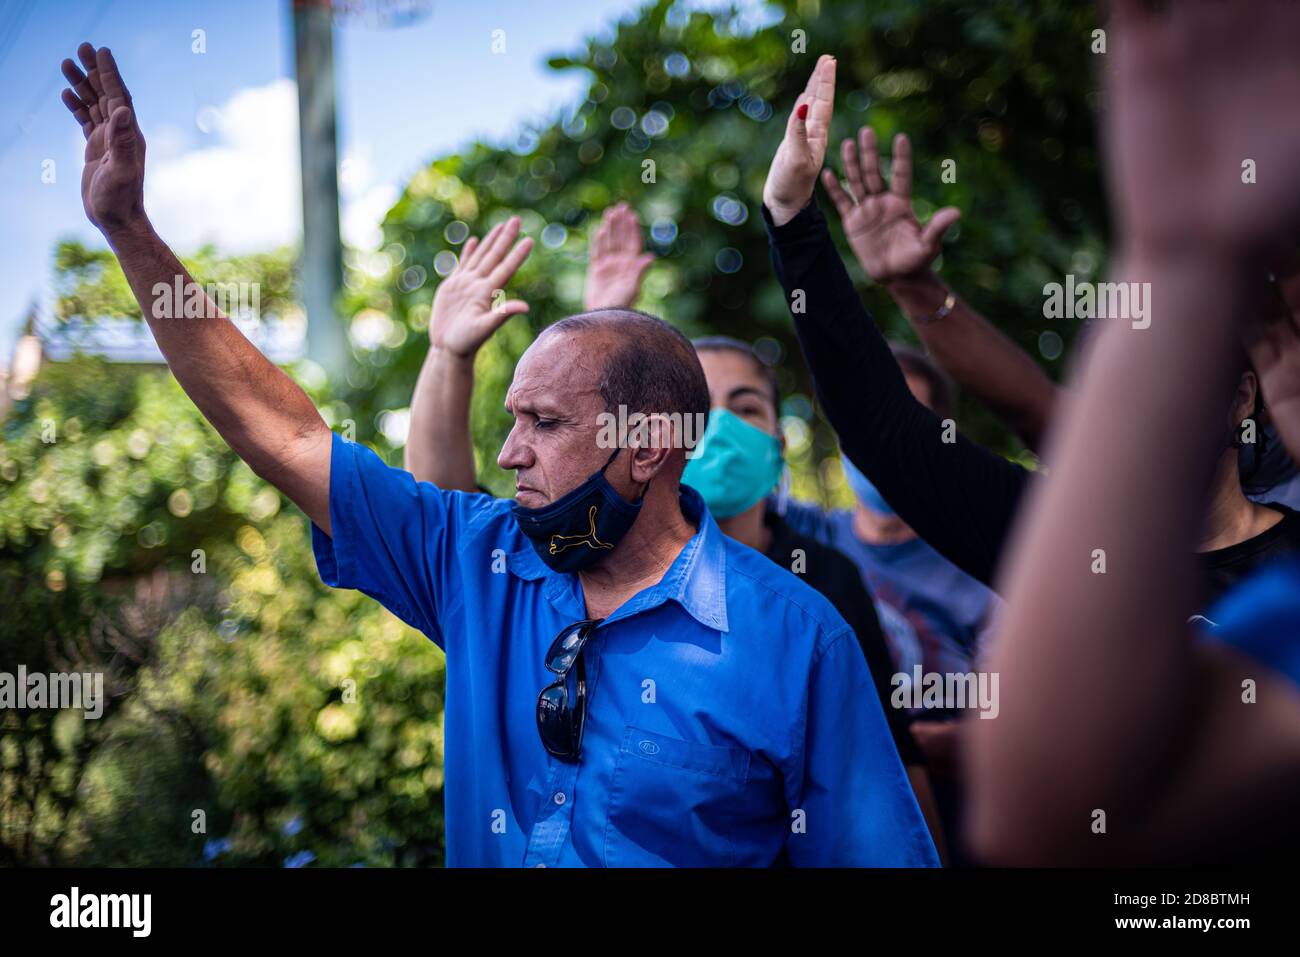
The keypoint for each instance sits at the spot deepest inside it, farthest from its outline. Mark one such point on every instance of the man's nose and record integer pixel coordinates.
(514, 453)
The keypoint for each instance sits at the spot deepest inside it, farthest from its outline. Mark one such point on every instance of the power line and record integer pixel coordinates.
(9, 33)
(48, 92)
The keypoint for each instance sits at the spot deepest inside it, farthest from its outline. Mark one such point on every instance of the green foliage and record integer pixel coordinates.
(295, 717)
(90, 283)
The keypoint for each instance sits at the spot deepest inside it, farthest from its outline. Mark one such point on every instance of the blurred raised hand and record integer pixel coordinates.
(469, 305)
(1200, 96)
(879, 223)
(793, 173)
(617, 260)
(112, 180)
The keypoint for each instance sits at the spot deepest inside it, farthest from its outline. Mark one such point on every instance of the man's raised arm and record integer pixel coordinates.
(264, 416)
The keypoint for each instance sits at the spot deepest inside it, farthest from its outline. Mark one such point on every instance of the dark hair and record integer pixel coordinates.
(650, 368)
(716, 343)
(915, 362)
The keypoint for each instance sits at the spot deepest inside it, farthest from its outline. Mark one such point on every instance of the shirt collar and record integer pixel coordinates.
(696, 580)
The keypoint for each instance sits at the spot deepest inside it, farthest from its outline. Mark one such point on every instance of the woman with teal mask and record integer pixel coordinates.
(741, 456)
(736, 466)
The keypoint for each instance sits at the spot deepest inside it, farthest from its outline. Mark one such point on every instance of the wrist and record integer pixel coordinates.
(1204, 274)
(918, 295)
(598, 299)
(450, 360)
(781, 213)
(128, 232)
(922, 279)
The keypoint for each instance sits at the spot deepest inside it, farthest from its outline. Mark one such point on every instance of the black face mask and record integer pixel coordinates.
(580, 528)
(1265, 464)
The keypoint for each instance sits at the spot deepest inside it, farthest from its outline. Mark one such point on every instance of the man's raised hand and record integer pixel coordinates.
(617, 260)
(112, 181)
(881, 228)
(793, 173)
(469, 305)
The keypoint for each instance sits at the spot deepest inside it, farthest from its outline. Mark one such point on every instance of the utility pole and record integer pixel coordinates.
(322, 252)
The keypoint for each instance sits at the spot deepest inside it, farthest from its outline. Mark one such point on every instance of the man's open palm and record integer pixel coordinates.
(470, 305)
(112, 181)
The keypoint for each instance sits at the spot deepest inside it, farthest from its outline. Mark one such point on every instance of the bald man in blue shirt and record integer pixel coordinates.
(714, 711)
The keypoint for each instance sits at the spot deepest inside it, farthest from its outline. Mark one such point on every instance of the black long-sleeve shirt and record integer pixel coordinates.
(958, 496)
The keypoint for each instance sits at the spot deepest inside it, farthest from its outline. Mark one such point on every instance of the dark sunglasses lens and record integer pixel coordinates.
(555, 720)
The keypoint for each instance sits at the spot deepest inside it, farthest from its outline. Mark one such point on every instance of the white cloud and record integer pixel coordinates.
(243, 192)
(364, 203)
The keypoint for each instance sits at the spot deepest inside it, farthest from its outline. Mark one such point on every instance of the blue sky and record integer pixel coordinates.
(221, 126)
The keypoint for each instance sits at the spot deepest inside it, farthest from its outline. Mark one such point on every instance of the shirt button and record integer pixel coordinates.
(541, 865)
(559, 797)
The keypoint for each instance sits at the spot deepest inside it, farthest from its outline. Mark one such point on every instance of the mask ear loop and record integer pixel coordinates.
(644, 488)
(612, 456)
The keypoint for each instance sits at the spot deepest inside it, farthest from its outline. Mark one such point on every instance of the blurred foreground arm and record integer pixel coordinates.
(1153, 727)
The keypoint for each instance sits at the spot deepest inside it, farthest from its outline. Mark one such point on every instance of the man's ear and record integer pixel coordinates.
(653, 444)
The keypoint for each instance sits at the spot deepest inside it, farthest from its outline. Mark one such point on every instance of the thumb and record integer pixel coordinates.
(121, 131)
(485, 324)
(644, 261)
(940, 223)
(499, 314)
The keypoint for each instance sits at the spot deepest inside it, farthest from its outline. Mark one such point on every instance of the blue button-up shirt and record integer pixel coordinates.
(731, 717)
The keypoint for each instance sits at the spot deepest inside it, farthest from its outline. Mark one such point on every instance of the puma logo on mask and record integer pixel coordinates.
(587, 538)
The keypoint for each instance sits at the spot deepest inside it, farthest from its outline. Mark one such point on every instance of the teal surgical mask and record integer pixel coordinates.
(734, 465)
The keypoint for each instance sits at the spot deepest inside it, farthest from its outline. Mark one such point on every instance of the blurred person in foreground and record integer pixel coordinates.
(625, 684)
(1127, 735)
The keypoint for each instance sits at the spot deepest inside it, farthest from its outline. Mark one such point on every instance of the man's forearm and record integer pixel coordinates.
(439, 449)
(262, 414)
(978, 356)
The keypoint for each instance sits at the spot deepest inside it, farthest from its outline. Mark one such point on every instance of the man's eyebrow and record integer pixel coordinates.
(541, 408)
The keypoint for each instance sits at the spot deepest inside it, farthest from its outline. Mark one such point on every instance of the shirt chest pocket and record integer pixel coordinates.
(672, 803)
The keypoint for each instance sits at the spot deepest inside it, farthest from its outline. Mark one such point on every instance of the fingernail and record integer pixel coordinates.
(802, 112)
